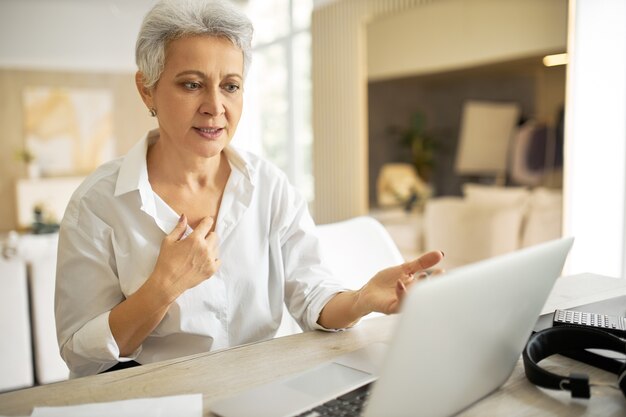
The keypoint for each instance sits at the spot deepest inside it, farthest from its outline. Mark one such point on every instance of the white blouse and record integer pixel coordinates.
(109, 242)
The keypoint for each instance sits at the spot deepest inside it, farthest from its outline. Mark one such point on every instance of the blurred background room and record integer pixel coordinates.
(476, 127)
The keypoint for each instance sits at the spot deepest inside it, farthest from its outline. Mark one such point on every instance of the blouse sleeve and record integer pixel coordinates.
(87, 289)
(309, 284)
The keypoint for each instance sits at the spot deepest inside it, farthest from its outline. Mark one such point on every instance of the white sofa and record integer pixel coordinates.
(29, 353)
(40, 254)
(16, 364)
(489, 221)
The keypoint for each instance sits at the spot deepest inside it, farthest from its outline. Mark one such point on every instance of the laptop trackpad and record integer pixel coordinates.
(327, 380)
(293, 395)
(344, 373)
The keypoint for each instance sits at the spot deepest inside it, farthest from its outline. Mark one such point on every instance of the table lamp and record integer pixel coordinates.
(486, 130)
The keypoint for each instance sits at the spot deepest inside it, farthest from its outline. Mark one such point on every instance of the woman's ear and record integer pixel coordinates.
(144, 92)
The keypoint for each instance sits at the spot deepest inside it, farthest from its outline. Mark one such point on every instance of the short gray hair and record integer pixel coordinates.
(174, 19)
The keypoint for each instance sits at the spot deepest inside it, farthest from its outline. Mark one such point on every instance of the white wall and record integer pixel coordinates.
(447, 35)
(84, 35)
(595, 154)
(92, 35)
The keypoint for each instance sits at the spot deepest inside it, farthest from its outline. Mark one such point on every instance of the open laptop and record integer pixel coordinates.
(457, 339)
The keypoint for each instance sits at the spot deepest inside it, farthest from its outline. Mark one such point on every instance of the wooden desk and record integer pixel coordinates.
(226, 372)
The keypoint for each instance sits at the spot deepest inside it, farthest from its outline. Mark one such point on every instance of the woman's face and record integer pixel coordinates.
(199, 96)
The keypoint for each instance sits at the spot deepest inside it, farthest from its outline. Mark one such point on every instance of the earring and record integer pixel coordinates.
(152, 111)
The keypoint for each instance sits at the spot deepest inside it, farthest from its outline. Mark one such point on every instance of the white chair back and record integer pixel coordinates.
(16, 362)
(354, 250)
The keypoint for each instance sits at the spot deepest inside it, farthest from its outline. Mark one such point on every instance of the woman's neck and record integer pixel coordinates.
(194, 173)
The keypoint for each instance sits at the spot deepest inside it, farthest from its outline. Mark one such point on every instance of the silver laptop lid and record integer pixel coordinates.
(460, 336)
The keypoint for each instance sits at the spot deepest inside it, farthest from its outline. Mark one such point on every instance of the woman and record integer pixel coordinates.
(186, 244)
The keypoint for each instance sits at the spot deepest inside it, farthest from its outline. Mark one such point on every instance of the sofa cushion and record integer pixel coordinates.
(494, 195)
(468, 232)
(544, 216)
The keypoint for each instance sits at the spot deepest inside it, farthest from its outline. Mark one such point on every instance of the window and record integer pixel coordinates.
(277, 117)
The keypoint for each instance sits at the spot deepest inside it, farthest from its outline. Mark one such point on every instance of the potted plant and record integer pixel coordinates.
(421, 145)
(28, 157)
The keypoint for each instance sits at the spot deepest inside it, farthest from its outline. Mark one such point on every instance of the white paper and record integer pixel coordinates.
(177, 405)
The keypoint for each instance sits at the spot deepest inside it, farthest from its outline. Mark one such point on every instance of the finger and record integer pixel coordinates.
(410, 283)
(410, 279)
(400, 293)
(179, 230)
(437, 271)
(429, 273)
(203, 228)
(421, 275)
(212, 246)
(215, 252)
(427, 260)
(212, 239)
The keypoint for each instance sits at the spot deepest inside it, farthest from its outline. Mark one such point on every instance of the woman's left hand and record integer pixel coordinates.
(386, 290)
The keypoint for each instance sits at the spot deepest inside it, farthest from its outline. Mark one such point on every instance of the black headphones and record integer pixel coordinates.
(571, 342)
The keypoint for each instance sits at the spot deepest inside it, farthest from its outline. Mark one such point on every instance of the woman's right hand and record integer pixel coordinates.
(185, 262)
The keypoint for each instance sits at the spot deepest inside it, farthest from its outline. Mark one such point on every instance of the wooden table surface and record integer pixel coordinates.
(223, 373)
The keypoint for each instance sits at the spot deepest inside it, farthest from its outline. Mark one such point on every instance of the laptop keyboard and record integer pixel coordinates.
(348, 405)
